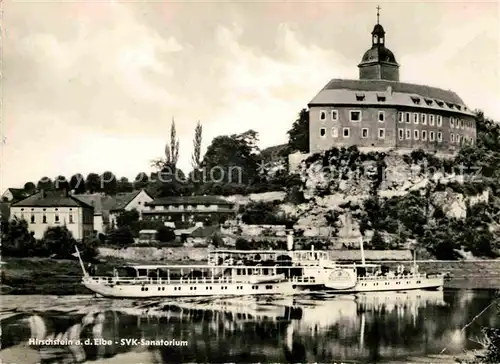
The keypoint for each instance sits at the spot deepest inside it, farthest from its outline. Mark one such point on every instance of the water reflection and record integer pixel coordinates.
(371, 327)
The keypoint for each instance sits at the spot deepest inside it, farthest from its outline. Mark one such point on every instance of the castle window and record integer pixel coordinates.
(401, 134)
(440, 136)
(381, 133)
(424, 135)
(345, 132)
(452, 138)
(360, 97)
(380, 98)
(423, 118)
(415, 134)
(400, 117)
(439, 120)
(335, 133)
(431, 136)
(462, 124)
(322, 132)
(355, 115)
(32, 219)
(381, 116)
(407, 117)
(431, 120)
(364, 133)
(408, 134)
(415, 118)
(428, 101)
(452, 122)
(416, 100)
(335, 115)
(322, 115)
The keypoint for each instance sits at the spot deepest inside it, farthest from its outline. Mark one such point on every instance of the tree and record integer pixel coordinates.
(165, 234)
(171, 152)
(298, 135)
(77, 183)
(89, 248)
(16, 238)
(141, 181)
(232, 159)
(121, 237)
(29, 187)
(127, 218)
(59, 241)
(124, 185)
(61, 183)
(45, 183)
(377, 241)
(93, 183)
(109, 183)
(196, 157)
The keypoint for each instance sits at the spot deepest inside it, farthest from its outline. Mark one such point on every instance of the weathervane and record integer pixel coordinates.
(378, 13)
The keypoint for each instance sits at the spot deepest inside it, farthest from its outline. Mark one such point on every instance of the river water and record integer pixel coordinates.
(406, 327)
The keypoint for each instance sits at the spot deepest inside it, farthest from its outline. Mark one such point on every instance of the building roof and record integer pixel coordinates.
(385, 92)
(17, 193)
(98, 201)
(51, 199)
(121, 200)
(378, 53)
(190, 200)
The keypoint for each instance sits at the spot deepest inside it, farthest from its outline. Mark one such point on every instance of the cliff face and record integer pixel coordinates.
(347, 194)
(338, 181)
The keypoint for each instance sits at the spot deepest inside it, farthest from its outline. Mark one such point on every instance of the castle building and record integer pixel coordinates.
(378, 112)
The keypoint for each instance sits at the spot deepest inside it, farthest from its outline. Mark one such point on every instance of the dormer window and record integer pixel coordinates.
(440, 103)
(450, 105)
(428, 101)
(458, 107)
(416, 100)
(380, 98)
(360, 97)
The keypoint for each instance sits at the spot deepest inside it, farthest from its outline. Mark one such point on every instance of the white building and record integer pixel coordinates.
(126, 202)
(55, 208)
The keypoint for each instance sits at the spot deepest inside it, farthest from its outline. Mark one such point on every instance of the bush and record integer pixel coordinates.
(165, 234)
(121, 237)
(59, 241)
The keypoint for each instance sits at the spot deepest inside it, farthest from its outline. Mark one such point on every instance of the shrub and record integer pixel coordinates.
(165, 234)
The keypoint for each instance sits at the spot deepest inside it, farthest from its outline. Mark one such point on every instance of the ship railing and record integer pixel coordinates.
(167, 280)
(395, 277)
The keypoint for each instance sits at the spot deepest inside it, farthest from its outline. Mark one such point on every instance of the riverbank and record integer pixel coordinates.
(62, 277)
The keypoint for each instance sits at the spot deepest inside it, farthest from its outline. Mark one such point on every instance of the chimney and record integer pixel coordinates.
(389, 91)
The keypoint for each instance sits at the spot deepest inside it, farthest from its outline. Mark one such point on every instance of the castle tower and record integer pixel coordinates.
(378, 63)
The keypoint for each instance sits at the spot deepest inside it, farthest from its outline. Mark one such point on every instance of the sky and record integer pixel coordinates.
(93, 86)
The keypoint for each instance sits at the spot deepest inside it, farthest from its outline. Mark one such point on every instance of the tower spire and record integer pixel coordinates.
(378, 13)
